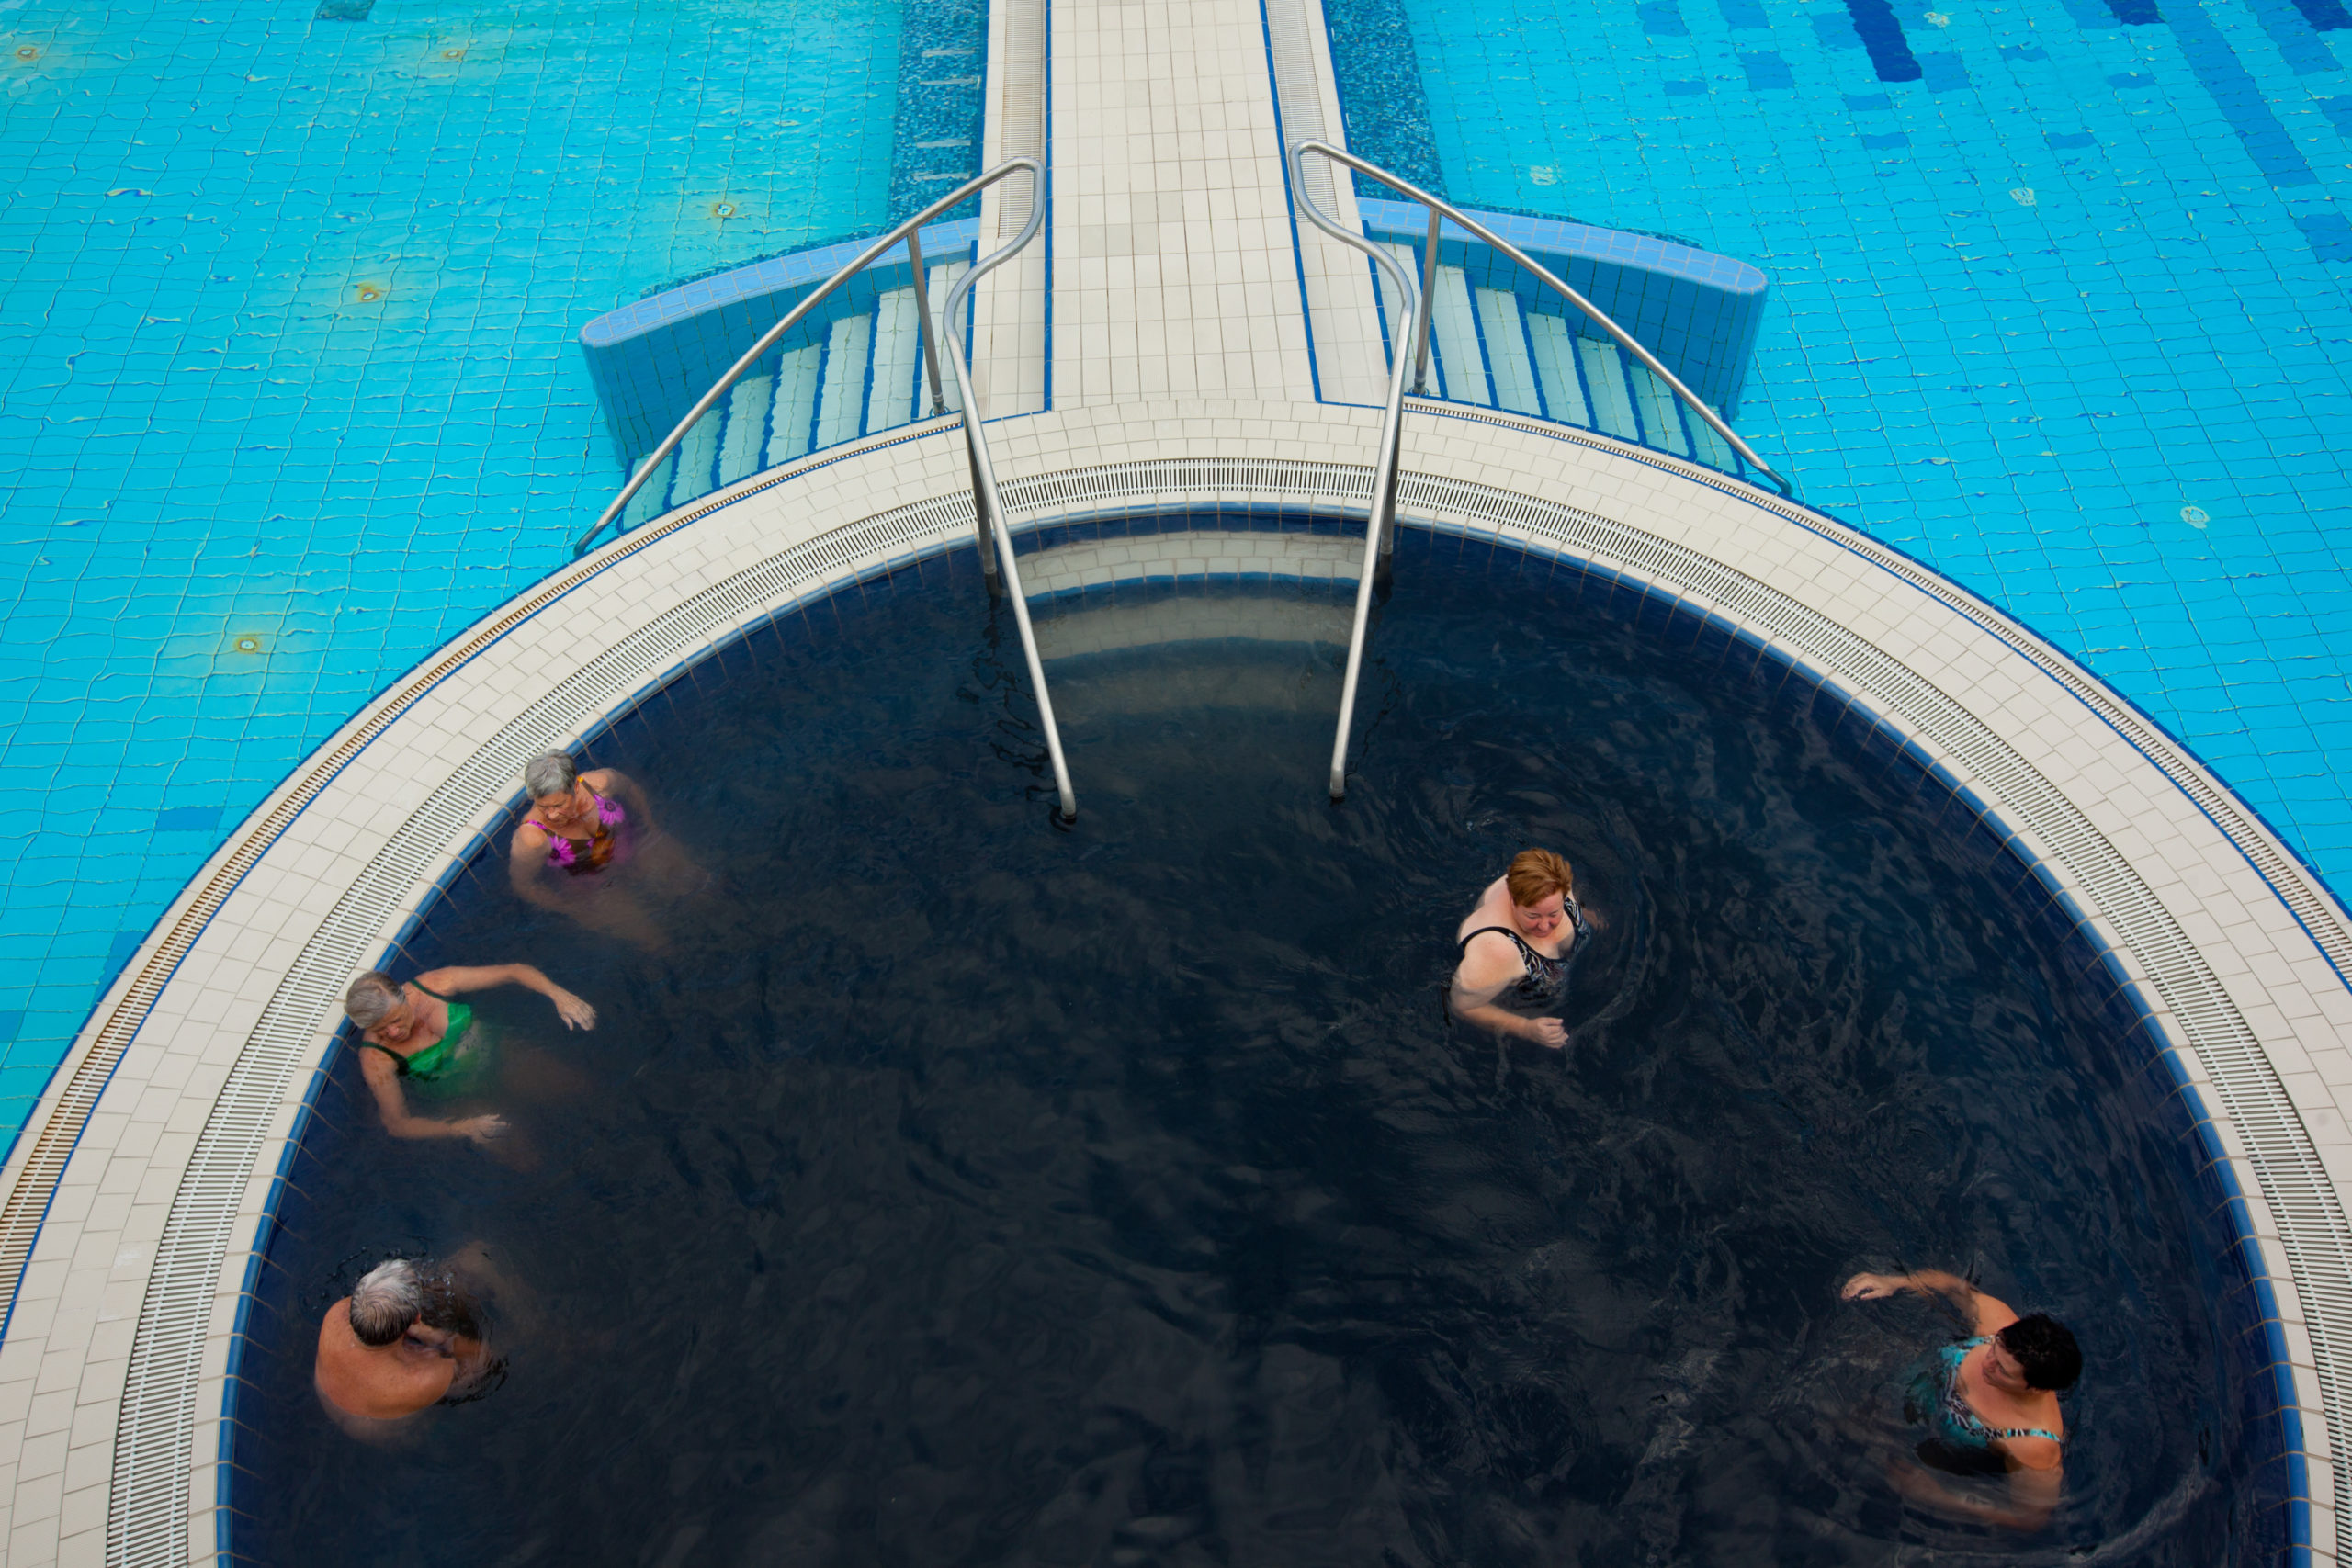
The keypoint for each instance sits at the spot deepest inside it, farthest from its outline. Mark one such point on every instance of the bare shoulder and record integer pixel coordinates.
(1992, 1314)
(601, 779)
(336, 1326)
(1487, 959)
(1483, 912)
(2034, 1453)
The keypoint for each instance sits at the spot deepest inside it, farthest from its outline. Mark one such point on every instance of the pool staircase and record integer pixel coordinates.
(858, 373)
(1491, 309)
(1495, 348)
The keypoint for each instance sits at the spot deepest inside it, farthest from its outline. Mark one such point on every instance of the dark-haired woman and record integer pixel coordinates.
(1991, 1402)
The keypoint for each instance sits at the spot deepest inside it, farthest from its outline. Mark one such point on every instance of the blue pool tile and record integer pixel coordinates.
(221, 416)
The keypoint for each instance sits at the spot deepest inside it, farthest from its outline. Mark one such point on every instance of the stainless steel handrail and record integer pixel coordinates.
(988, 503)
(1380, 531)
(1380, 523)
(988, 506)
(793, 318)
(1600, 318)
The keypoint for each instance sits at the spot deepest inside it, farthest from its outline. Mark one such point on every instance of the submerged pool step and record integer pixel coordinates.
(851, 377)
(1501, 350)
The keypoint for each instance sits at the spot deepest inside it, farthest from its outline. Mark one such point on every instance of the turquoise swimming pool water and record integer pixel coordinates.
(2059, 297)
(288, 385)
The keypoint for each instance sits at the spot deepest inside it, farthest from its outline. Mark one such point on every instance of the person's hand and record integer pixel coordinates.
(1871, 1287)
(482, 1129)
(575, 1013)
(1547, 1032)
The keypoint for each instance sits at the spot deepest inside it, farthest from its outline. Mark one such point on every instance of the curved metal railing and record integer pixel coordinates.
(1438, 207)
(995, 541)
(1380, 527)
(988, 505)
(1380, 533)
(907, 232)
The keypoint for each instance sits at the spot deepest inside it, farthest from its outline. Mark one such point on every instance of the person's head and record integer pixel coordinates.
(387, 1299)
(379, 1007)
(1540, 884)
(2037, 1352)
(549, 781)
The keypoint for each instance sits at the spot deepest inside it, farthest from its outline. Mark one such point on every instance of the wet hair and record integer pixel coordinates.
(551, 775)
(1535, 874)
(371, 998)
(386, 1301)
(2045, 1348)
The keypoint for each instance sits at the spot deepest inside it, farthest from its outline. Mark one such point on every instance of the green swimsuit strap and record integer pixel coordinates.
(400, 1063)
(427, 1063)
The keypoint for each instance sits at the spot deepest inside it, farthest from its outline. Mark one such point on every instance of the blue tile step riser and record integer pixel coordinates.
(851, 374)
(1489, 345)
(1698, 311)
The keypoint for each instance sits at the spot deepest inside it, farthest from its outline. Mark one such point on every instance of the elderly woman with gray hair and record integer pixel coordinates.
(417, 1032)
(588, 847)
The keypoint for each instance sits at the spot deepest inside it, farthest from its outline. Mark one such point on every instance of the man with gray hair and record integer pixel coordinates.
(409, 1336)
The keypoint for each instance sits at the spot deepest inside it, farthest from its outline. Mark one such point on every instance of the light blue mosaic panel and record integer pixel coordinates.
(2064, 314)
(289, 391)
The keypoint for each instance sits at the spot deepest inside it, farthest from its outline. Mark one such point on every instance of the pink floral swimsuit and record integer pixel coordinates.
(587, 859)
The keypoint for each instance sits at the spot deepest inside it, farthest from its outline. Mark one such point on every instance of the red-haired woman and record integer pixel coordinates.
(1514, 949)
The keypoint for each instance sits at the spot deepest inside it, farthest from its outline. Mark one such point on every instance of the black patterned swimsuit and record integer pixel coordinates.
(1547, 980)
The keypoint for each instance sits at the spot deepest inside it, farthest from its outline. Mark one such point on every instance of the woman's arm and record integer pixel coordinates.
(1477, 983)
(612, 781)
(523, 862)
(383, 1078)
(1987, 1314)
(575, 1013)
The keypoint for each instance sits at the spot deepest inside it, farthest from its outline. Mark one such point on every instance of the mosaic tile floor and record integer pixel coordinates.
(288, 385)
(2061, 297)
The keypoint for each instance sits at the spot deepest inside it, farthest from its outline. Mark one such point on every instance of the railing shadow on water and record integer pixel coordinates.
(723, 438)
(1705, 433)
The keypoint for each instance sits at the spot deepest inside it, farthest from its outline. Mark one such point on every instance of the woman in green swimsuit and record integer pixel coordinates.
(418, 1034)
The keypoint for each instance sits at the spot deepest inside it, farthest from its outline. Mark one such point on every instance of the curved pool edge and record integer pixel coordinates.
(141, 1189)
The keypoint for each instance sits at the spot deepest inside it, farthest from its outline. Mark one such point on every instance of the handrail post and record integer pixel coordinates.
(1380, 520)
(1421, 315)
(923, 313)
(988, 500)
(984, 526)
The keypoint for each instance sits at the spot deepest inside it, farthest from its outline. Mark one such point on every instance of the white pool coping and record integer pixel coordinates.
(130, 1208)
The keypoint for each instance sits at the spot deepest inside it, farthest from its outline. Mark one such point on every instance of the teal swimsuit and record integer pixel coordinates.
(1947, 1408)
